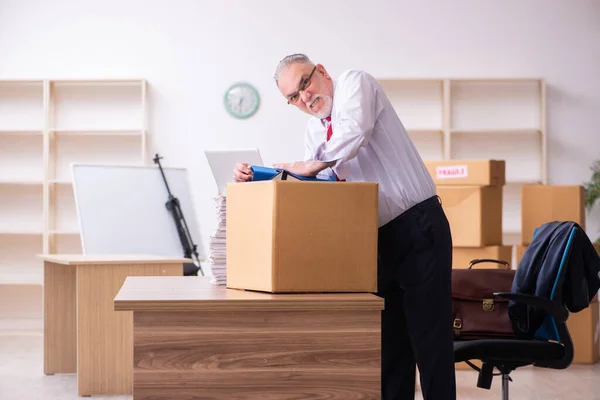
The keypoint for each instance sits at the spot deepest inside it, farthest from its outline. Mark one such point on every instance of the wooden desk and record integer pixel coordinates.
(196, 340)
(82, 332)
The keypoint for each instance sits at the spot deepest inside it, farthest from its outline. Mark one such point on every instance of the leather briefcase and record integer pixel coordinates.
(478, 314)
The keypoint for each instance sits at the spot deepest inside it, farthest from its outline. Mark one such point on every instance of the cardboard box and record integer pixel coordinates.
(474, 213)
(585, 333)
(299, 236)
(467, 172)
(462, 256)
(541, 204)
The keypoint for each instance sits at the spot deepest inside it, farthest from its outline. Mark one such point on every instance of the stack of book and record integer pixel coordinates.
(217, 249)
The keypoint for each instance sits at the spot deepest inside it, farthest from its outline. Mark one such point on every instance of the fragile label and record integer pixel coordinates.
(455, 171)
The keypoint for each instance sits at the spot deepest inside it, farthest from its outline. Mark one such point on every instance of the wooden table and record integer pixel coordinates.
(194, 340)
(82, 332)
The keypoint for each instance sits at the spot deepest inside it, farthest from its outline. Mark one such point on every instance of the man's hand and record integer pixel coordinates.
(242, 173)
(305, 168)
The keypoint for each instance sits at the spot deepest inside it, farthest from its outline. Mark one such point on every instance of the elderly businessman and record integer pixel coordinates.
(355, 134)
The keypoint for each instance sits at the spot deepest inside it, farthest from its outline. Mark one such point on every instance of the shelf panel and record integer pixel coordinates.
(430, 145)
(22, 279)
(21, 105)
(20, 132)
(113, 150)
(97, 106)
(101, 82)
(20, 233)
(497, 80)
(21, 301)
(18, 183)
(21, 82)
(66, 244)
(21, 158)
(500, 104)
(19, 263)
(493, 131)
(100, 132)
(522, 153)
(21, 210)
(417, 103)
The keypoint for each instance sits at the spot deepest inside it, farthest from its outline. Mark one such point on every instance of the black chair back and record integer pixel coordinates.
(551, 329)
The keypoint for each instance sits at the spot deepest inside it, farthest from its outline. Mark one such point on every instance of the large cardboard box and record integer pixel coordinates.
(462, 256)
(474, 213)
(467, 172)
(546, 203)
(299, 236)
(585, 333)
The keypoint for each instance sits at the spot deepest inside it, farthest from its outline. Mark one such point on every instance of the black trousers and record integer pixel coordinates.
(414, 278)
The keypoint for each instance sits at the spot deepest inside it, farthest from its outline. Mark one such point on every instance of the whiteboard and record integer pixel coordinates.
(121, 209)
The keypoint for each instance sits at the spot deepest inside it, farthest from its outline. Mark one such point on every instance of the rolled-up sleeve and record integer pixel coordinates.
(355, 115)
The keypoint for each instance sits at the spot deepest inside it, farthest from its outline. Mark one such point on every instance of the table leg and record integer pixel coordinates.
(60, 330)
(105, 341)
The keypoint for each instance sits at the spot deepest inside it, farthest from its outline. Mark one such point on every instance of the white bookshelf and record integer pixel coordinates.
(45, 125)
(503, 119)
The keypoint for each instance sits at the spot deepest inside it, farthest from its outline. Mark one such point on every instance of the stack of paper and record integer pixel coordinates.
(217, 252)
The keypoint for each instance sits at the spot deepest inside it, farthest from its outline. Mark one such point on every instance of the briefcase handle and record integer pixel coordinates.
(481, 260)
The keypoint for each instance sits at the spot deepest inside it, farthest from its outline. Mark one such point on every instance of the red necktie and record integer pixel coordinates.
(329, 133)
(329, 129)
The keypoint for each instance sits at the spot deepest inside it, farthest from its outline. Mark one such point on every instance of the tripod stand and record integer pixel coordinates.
(189, 248)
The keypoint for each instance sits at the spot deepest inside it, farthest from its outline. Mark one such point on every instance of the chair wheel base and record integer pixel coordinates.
(484, 380)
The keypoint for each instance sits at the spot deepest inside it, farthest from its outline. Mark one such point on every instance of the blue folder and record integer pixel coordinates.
(261, 173)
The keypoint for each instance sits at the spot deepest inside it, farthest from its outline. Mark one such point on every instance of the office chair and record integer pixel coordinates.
(551, 346)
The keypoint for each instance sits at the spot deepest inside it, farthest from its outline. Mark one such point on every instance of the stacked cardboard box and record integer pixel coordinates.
(471, 194)
(546, 203)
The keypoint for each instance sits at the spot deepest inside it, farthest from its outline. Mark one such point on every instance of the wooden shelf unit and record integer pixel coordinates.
(464, 118)
(45, 125)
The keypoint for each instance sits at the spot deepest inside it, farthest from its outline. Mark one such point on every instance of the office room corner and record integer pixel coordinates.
(342, 200)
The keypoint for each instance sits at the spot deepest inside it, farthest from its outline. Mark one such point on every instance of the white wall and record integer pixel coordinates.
(192, 50)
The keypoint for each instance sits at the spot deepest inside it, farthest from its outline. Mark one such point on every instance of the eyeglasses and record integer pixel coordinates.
(304, 83)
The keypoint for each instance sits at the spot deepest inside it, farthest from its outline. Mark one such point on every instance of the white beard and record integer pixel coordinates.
(325, 107)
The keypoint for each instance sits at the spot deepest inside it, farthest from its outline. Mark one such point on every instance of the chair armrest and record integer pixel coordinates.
(557, 311)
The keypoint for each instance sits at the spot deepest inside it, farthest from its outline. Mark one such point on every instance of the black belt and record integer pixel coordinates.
(420, 206)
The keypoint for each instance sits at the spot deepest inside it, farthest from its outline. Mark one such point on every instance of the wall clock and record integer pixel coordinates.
(241, 100)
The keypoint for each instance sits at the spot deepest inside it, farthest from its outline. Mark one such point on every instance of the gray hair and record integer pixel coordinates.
(289, 60)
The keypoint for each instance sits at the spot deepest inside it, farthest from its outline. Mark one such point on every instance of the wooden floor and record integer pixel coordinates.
(21, 377)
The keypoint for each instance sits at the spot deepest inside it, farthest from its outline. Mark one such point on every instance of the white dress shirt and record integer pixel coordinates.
(370, 144)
